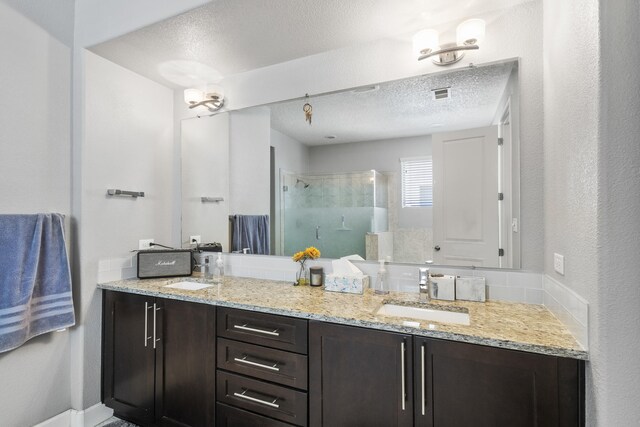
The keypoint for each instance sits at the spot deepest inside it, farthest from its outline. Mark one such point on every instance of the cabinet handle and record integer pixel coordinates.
(422, 367)
(243, 395)
(146, 323)
(244, 327)
(244, 360)
(155, 310)
(403, 395)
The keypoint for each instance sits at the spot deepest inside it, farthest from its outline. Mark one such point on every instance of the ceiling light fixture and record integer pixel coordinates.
(469, 35)
(212, 98)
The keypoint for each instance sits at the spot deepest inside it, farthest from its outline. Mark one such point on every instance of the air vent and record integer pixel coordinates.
(441, 93)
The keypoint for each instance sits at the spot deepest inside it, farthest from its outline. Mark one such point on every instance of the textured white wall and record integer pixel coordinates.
(35, 160)
(99, 20)
(616, 317)
(290, 156)
(249, 172)
(592, 158)
(128, 144)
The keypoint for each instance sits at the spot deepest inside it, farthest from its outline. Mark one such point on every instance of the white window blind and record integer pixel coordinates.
(417, 181)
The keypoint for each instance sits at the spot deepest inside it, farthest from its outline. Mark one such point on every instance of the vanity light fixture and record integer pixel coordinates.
(469, 35)
(212, 98)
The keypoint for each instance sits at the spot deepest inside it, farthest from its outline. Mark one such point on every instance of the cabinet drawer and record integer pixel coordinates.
(271, 400)
(284, 333)
(228, 416)
(277, 366)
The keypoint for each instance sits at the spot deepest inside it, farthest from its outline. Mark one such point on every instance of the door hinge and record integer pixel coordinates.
(500, 252)
(500, 196)
(285, 188)
(500, 141)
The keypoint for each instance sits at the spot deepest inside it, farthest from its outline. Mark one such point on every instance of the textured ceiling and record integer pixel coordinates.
(233, 36)
(397, 109)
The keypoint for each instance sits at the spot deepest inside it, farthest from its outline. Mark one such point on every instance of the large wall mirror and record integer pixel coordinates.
(414, 170)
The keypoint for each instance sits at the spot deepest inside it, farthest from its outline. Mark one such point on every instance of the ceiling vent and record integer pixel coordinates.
(441, 93)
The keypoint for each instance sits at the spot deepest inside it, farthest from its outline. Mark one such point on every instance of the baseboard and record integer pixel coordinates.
(60, 420)
(89, 417)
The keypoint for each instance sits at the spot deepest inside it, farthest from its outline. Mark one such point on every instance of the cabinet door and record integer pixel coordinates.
(359, 377)
(458, 384)
(185, 364)
(128, 356)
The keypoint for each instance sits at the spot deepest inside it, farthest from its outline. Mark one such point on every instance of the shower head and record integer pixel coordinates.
(299, 181)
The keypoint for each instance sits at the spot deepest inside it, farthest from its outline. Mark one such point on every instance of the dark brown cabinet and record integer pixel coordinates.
(359, 377)
(458, 384)
(262, 369)
(158, 360)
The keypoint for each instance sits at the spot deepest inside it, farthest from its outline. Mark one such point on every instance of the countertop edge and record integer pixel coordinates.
(470, 339)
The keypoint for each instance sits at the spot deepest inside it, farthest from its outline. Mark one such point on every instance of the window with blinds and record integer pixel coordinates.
(417, 181)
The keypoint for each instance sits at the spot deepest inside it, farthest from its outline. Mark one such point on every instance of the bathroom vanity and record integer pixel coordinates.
(253, 352)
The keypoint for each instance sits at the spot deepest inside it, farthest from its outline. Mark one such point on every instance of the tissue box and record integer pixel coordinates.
(443, 287)
(352, 285)
(471, 288)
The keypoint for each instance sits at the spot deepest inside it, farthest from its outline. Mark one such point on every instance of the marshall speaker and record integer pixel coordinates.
(165, 263)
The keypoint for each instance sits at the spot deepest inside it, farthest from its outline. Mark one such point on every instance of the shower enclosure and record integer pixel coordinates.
(332, 212)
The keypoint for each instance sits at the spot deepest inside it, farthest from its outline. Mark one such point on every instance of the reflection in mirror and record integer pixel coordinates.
(419, 169)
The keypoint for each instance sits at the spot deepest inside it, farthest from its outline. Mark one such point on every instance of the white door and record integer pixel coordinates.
(465, 197)
(205, 173)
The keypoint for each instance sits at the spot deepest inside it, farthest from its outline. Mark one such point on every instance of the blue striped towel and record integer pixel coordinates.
(35, 280)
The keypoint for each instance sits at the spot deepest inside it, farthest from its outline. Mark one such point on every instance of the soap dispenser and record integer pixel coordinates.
(218, 270)
(382, 287)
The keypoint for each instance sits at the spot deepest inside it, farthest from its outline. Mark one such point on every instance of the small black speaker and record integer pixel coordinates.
(165, 263)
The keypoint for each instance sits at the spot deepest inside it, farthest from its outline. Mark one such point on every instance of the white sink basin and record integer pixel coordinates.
(442, 316)
(188, 286)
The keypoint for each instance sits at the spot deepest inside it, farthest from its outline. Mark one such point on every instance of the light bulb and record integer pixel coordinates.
(214, 91)
(192, 96)
(470, 32)
(425, 40)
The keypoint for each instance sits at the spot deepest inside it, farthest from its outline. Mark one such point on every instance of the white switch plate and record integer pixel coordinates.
(196, 238)
(558, 263)
(144, 243)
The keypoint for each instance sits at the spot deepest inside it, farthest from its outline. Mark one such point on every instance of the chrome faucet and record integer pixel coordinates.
(424, 283)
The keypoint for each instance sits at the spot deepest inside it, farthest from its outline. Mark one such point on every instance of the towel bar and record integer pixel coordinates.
(211, 199)
(134, 194)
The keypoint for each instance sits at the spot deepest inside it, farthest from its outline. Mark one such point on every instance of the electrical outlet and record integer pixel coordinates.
(558, 263)
(144, 244)
(196, 238)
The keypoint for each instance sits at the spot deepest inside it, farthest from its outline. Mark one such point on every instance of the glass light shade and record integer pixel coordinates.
(425, 39)
(214, 90)
(192, 96)
(470, 31)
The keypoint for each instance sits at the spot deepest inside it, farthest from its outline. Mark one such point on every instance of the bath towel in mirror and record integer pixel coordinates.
(250, 231)
(35, 280)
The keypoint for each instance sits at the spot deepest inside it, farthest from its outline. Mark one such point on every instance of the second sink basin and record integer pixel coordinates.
(435, 315)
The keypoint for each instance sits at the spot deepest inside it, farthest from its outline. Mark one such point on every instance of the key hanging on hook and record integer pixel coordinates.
(308, 110)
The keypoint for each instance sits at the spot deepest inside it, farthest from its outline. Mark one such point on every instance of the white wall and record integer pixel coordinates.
(249, 172)
(591, 199)
(35, 160)
(128, 144)
(290, 156)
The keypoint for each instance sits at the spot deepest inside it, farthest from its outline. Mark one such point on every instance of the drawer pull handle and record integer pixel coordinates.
(243, 395)
(244, 360)
(244, 327)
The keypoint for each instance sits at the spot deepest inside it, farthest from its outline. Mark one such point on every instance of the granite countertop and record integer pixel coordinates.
(513, 326)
